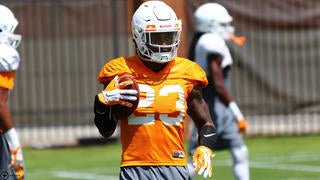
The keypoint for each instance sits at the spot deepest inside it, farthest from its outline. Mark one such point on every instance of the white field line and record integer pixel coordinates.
(274, 166)
(82, 175)
(288, 167)
(305, 178)
(292, 158)
(280, 162)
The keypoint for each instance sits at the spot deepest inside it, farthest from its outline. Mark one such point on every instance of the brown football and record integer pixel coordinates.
(120, 111)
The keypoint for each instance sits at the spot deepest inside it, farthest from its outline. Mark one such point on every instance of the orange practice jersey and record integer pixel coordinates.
(153, 134)
(7, 79)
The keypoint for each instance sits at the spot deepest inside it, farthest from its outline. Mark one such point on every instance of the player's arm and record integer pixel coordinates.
(216, 73)
(11, 136)
(215, 60)
(199, 112)
(198, 109)
(103, 118)
(5, 116)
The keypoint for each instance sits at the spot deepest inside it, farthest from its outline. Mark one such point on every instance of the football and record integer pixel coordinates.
(120, 111)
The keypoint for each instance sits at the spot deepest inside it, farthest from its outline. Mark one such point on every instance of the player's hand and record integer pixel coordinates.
(242, 125)
(17, 162)
(202, 161)
(242, 122)
(115, 93)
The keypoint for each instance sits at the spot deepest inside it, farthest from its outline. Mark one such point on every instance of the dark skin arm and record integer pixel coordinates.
(220, 89)
(5, 115)
(198, 109)
(105, 122)
(216, 75)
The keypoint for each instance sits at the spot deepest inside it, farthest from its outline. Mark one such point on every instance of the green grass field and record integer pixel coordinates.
(273, 158)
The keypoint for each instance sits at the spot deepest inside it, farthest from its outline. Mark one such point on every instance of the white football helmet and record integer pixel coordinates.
(8, 24)
(156, 31)
(214, 18)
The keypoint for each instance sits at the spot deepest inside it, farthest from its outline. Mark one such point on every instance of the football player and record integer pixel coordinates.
(210, 51)
(170, 88)
(11, 157)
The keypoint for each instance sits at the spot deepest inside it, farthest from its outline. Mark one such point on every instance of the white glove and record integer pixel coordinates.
(115, 94)
(17, 162)
(202, 161)
(242, 122)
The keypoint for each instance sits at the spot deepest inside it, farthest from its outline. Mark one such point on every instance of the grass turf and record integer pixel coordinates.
(276, 158)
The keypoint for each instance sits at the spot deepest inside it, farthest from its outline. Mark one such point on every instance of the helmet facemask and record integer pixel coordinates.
(12, 40)
(8, 24)
(223, 29)
(159, 47)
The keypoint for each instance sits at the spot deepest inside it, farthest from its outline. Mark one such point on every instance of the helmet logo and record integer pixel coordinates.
(165, 26)
(150, 28)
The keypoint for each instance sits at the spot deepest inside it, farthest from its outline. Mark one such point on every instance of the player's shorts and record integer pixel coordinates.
(7, 79)
(154, 172)
(5, 159)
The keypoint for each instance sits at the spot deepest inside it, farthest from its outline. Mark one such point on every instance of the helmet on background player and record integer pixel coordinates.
(8, 24)
(156, 32)
(214, 18)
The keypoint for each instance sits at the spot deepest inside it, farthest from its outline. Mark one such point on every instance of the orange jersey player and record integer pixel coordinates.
(169, 89)
(162, 109)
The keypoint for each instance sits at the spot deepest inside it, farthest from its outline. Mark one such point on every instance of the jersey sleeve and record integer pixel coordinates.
(111, 69)
(196, 73)
(9, 58)
(217, 47)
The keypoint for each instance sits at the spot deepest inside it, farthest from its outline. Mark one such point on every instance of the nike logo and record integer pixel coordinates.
(208, 135)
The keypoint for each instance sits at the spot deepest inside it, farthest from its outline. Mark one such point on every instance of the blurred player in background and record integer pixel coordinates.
(11, 158)
(170, 87)
(210, 51)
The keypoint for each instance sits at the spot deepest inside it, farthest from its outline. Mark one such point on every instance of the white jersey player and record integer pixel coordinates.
(11, 157)
(210, 51)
